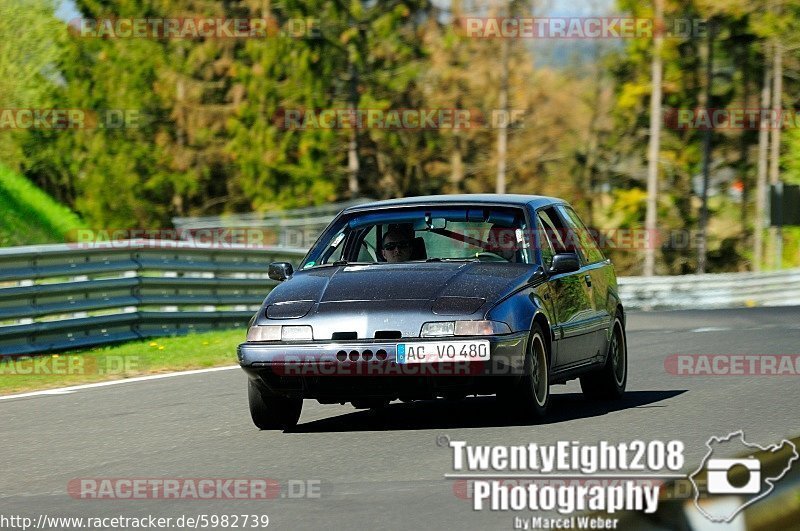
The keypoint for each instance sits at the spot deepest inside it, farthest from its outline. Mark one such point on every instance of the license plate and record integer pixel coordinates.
(442, 351)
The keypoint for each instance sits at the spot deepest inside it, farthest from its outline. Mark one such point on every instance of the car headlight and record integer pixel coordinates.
(464, 328)
(279, 333)
(296, 333)
(481, 328)
(445, 328)
(264, 333)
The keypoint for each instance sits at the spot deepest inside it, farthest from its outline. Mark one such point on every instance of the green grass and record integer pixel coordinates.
(138, 358)
(16, 227)
(31, 216)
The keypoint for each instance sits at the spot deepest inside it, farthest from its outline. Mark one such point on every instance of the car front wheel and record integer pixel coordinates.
(272, 412)
(531, 397)
(610, 381)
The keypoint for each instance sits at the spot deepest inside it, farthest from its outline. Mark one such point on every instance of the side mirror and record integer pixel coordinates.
(564, 263)
(280, 271)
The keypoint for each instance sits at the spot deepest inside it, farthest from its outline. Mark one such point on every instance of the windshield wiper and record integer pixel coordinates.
(347, 263)
(337, 263)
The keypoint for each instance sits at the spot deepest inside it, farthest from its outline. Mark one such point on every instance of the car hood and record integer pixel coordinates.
(368, 301)
(396, 282)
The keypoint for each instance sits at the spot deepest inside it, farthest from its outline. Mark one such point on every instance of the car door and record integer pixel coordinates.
(598, 272)
(571, 297)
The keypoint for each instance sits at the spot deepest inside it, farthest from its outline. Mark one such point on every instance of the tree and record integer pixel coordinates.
(33, 40)
(654, 143)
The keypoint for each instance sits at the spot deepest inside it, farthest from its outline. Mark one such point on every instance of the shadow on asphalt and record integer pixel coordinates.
(480, 412)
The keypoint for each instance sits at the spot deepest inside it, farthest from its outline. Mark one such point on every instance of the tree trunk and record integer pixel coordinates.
(353, 164)
(761, 184)
(702, 243)
(775, 147)
(744, 151)
(654, 146)
(588, 172)
(502, 107)
(456, 166)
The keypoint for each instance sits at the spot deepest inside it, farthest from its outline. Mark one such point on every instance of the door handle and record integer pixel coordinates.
(588, 279)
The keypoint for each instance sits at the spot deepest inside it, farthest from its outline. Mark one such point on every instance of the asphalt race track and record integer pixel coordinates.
(379, 471)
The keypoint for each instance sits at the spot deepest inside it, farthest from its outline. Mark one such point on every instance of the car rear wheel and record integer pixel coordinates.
(610, 381)
(272, 412)
(531, 397)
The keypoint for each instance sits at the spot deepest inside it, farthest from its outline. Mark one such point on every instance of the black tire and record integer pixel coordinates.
(272, 412)
(609, 382)
(531, 397)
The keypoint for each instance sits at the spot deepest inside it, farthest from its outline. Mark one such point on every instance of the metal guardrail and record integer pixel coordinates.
(255, 219)
(718, 290)
(68, 296)
(299, 226)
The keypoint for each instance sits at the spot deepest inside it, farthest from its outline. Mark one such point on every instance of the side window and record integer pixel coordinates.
(556, 231)
(591, 252)
(568, 234)
(335, 250)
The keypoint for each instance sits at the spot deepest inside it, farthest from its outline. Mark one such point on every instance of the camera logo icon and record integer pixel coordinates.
(725, 486)
(734, 476)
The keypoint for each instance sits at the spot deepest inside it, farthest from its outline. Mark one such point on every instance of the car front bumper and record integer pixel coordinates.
(370, 370)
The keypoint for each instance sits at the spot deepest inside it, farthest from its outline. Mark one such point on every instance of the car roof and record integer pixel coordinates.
(519, 200)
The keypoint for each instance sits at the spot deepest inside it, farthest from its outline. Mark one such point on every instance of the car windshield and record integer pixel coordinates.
(467, 233)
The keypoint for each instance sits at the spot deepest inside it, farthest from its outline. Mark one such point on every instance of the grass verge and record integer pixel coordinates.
(128, 360)
(30, 215)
